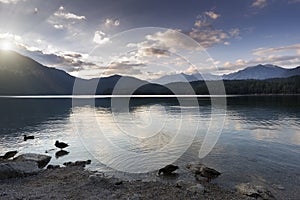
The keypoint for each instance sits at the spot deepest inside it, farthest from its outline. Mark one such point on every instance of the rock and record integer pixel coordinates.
(53, 166)
(119, 182)
(99, 177)
(15, 169)
(196, 189)
(93, 178)
(148, 179)
(77, 163)
(180, 184)
(108, 181)
(134, 197)
(41, 160)
(202, 170)
(8, 155)
(255, 191)
(169, 169)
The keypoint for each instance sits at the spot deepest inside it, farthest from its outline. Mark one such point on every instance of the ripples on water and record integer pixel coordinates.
(260, 140)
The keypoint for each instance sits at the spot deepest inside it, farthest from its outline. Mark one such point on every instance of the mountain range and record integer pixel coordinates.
(259, 72)
(20, 75)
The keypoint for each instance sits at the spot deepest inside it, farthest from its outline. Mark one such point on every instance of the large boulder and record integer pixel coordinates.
(41, 160)
(13, 169)
(202, 170)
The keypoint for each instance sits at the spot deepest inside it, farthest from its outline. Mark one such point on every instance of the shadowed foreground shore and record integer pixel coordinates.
(77, 183)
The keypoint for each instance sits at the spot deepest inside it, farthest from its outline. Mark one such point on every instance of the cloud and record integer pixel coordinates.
(166, 40)
(202, 20)
(58, 26)
(202, 24)
(112, 22)
(100, 38)
(168, 44)
(234, 32)
(46, 54)
(154, 52)
(212, 14)
(10, 1)
(262, 51)
(172, 39)
(11, 37)
(209, 38)
(286, 61)
(190, 70)
(67, 15)
(259, 3)
(70, 22)
(269, 56)
(125, 64)
(124, 68)
(68, 61)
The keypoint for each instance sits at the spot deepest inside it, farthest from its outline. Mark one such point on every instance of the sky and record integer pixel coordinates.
(152, 38)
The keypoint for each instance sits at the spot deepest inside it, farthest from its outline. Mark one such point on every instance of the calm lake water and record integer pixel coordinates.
(260, 140)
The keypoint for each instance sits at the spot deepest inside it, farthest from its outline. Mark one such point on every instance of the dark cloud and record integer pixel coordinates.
(124, 68)
(156, 52)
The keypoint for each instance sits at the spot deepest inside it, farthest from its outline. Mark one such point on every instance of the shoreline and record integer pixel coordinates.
(75, 182)
(138, 96)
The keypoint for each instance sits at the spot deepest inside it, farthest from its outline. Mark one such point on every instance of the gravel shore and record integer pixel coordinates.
(77, 183)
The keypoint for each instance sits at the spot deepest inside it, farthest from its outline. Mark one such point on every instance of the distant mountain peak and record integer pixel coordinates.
(260, 72)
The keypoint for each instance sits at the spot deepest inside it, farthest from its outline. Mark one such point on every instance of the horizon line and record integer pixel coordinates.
(107, 96)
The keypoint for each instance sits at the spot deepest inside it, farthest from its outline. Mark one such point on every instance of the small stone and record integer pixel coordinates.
(99, 178)
(93, 178)
(77, 163)
(119, 182)
(255, 191)
(134, 197)
(179, 184)
(88, 162)
(196, 189)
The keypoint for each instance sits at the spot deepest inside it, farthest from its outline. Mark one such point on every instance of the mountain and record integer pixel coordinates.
(259, 72)
(184, 78)
(20, 75)
(125, 85)
(262, 72)
(291, 72)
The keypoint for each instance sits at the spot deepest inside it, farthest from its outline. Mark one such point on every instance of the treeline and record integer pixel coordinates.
(270, 86)
(289, 85)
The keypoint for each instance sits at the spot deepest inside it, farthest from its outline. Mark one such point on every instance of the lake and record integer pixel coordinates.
(259, 142)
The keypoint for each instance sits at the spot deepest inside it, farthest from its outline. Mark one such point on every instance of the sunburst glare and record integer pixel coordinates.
(5, 45)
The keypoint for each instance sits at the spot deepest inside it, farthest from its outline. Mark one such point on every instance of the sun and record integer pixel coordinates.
(5, 45)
